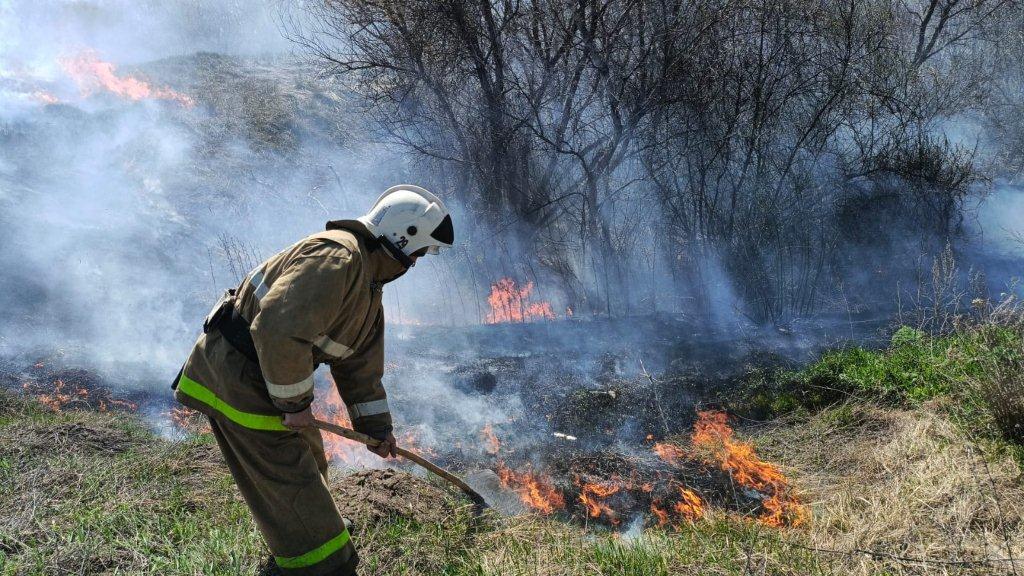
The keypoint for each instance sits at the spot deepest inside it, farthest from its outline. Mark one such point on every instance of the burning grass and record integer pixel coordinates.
(510, 302)
(861, 488)
(664, 484)
(95, 75)
(906, 488)
(73, 389)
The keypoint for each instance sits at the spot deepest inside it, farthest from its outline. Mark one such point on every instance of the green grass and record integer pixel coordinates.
(915, 367)
(973, 372)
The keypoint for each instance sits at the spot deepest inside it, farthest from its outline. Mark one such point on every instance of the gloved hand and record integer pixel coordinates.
(299, 420)
(386, 448)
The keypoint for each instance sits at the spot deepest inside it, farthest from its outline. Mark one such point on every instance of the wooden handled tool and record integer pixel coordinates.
(373, 443)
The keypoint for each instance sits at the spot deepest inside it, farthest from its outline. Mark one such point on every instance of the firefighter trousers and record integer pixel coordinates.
(283, 478)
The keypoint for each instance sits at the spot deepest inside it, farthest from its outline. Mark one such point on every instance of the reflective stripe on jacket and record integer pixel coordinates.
(318, 301)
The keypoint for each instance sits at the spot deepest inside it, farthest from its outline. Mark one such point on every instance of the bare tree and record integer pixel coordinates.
(609, 138)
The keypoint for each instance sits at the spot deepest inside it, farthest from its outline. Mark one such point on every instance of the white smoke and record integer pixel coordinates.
(122, 220)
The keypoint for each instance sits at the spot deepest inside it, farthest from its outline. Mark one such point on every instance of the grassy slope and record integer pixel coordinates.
(901, 469)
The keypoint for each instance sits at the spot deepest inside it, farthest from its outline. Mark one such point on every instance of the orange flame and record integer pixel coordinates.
(328, 407)
(713, 436)
(669, 452)
(187, 419)
(593, 496)
(57, 399)
(660, 513)
(62, 395)
(491, 443)
(536, 491)
(689, 506)
(45, 97)
(509, 303)
(92, 74)
(782, 511)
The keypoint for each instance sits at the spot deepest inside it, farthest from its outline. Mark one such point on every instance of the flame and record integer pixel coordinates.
(535, 491)
(660, 513)
(92, 74)
(491, 443)
(593, 496)
(509, 303)
(689, 506)
(57, 399)
(45, 97)
(62, 395)
(713, 434)
(780, 510)
(713, 437)
(187, 419)
(669, 453)
(328, 407)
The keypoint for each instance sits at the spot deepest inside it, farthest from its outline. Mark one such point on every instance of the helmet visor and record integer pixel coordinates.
(444, 233)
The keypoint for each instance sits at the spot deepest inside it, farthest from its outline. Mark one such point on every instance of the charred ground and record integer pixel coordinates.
(904, 482)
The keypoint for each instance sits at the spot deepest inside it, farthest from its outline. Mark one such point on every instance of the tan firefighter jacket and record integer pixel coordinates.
(318, 301)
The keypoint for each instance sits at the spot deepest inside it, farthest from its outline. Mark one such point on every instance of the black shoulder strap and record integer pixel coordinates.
(359, 229)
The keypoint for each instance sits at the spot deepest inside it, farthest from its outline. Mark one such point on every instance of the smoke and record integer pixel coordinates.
(125, 212)
(1000, 220)
(121, 220)
(137, 31)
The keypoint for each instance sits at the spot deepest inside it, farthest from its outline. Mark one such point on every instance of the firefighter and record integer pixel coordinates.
(251, 371)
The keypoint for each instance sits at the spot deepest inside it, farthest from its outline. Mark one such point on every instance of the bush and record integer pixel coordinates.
(915, 367)
(980, 367)
(1000, 390)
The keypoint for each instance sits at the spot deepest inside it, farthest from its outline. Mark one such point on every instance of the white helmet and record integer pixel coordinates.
(406, 219)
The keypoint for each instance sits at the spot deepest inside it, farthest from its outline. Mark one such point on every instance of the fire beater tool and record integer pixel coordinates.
(475, 496)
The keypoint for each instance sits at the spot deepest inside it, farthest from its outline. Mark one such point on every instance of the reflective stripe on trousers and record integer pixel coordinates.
(316, 555)
(371, 408)
(195, 390)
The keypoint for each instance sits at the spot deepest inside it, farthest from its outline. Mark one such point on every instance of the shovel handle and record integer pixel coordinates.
(421, 461)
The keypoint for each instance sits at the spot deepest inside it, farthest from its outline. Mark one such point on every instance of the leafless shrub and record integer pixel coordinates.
(729, 135)
(1002, 394)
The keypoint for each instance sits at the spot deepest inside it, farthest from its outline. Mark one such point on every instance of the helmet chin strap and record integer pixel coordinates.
(396, 252)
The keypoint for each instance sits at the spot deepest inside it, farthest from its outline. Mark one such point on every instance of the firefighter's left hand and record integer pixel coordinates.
(386, 448)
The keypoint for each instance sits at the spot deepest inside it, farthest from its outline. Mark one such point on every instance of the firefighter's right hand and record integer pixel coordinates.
(299, 420)
(386, 447)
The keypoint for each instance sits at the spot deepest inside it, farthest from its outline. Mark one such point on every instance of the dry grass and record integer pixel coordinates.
(1001, 395)
(95, 494)
(905, 484)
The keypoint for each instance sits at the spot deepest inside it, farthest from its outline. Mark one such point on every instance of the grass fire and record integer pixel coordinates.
(567, 288)
(92, 74)
(511, 303)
